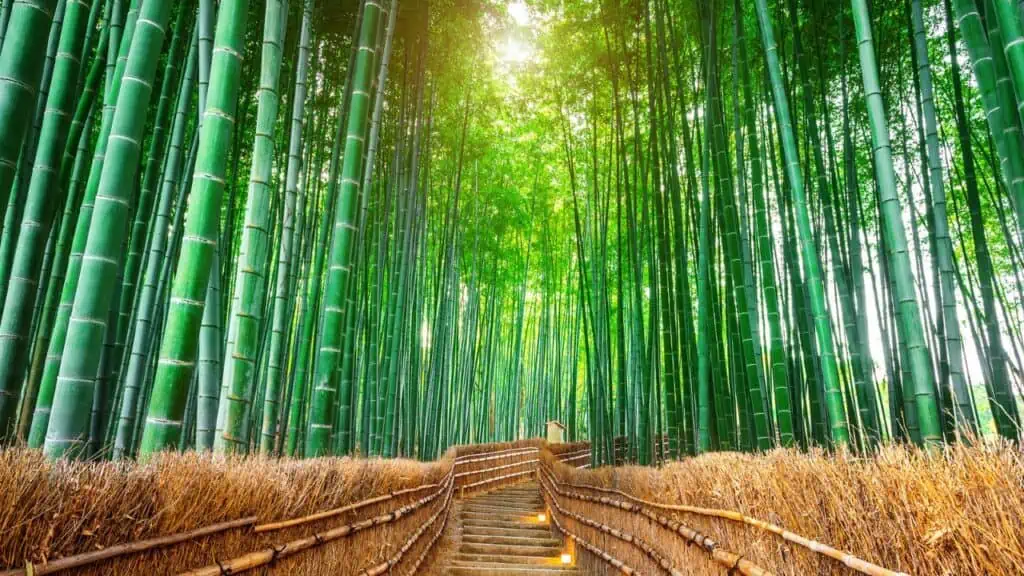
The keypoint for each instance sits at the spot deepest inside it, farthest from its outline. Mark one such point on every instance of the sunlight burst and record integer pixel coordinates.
(519, 12)
(514, 50)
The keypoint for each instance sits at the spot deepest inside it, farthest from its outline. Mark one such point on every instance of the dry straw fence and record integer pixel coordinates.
(903, 511)
(953, 513)
(204, 515)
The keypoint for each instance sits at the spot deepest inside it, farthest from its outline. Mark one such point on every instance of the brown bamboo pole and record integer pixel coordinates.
(386, 567)
(269, 555)
(734, 562)
(498, 479)
(615, 562)
(80, 560)
(847, 559)
(272, 526)
(485, 456)
(656, 557)
(433, 541)
(496, 468)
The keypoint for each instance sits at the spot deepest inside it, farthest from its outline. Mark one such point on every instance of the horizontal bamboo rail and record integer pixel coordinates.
(269, 555)
(646, 548)
(497, 479)
(847, 559)
(80, 560)
(433, 541)
(483, 456)
(386, 566)
(570, 456)
(272, 526)
(496, 468)
(734, 562)
(618, 564)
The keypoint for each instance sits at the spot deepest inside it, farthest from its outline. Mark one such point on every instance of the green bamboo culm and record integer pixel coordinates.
(972, 31)
(246, 320)
(808, 251)
(952, 340)
(21, 66)
(142, 334)
(69, 425)
(143, 206)
(289, 241)
(918, 355)
(116, 61)
(779, 369)
(1008, 14)
(72, 174)
(44, 196)
(179, 346)
(325, 384)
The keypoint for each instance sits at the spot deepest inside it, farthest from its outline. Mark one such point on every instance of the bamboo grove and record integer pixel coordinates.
(383, 227)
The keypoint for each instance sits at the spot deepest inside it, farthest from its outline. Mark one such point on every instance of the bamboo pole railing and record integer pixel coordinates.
(393, 561)
(566, 457)
(502, 467)
(272, 526)
(498, 479)
(730, 560)
(269, 555)
(433, 541)
(608, 558)
(485, 456)
(627, 537)
(847, 559)
(81, 560)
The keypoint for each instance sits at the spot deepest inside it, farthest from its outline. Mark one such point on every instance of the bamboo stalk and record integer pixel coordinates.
(80, 560)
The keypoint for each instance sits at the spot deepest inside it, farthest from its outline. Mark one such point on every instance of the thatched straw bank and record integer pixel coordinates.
(50, 510)
(959, 512)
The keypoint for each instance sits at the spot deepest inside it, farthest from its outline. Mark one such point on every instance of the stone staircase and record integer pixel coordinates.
(501, 536)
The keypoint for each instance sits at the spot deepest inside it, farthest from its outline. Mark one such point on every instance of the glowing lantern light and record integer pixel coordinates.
(542, 517)
(567, 558)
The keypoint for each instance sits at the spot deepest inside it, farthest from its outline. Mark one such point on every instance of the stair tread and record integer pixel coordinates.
(501, 537)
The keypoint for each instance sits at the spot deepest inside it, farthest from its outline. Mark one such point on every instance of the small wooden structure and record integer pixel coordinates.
(556, 432)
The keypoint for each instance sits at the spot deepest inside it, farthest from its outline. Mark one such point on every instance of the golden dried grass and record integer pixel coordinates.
(50, 509)
(956, 512)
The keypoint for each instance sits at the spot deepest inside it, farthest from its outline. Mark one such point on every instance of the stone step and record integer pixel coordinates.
(484, 507)
(524, 517)
(466, 558)
(545, 540)
(499, 569)
(522, 531)
(506, 571)
(525, 505)
(512, 522)
(507, 497)
(510, 550)
(501, 536)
